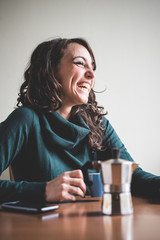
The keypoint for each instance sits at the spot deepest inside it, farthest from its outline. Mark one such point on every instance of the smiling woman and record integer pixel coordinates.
(58, 127)
(54, 79)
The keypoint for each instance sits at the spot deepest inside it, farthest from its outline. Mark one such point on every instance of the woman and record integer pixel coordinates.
(58, 127)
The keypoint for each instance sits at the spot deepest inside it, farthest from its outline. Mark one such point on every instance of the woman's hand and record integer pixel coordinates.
(64, 186)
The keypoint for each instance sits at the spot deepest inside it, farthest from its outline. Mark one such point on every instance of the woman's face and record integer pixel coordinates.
(76, 75)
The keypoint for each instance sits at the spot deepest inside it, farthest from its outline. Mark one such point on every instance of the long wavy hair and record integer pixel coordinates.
(41, 90)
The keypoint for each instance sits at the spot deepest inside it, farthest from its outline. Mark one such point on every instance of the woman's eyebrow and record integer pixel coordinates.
(80, 57)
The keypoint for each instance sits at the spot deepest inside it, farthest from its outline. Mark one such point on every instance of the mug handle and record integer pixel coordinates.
(84, 168)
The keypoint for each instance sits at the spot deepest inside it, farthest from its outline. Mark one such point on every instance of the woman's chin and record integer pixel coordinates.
(83, 101)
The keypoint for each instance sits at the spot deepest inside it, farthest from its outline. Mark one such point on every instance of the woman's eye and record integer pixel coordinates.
(79, 63)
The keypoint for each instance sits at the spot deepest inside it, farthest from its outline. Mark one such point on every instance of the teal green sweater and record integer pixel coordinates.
(40, 146)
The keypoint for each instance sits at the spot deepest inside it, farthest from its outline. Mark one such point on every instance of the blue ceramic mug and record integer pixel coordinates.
(96, 188)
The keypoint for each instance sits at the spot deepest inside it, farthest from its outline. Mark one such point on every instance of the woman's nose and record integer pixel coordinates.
(90, 74)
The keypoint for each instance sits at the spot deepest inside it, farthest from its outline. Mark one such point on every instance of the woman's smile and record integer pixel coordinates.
(84, 86)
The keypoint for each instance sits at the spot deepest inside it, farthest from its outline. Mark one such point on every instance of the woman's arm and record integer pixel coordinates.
(143, 183)
(13, 135)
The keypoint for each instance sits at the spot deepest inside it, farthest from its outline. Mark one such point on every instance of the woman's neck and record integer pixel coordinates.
(64, 112)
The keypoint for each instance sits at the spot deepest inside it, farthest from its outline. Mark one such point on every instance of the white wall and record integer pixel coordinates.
(125, 37)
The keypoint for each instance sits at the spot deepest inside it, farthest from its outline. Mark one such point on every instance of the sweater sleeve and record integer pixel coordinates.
(14, 132)
(144, 184)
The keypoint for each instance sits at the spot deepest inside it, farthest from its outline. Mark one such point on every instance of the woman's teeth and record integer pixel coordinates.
(84, 86)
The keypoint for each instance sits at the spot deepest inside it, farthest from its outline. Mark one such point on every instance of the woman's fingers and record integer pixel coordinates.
(64, 186)
(76, 182)
(72, 189)
(74, 174)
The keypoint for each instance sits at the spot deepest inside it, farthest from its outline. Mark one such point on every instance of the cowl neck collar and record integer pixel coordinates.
(63, 133)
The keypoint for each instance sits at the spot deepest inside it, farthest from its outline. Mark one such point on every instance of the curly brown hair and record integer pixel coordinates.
(41, 90)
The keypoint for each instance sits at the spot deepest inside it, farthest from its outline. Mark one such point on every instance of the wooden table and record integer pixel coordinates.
(83, 220)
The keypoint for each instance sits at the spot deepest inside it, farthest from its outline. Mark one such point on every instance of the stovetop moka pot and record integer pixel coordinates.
(116, 177)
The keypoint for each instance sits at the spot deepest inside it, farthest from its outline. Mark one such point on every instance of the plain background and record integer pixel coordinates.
(125, 37)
